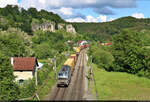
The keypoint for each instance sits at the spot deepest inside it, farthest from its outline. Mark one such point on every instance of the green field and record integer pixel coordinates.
(120, 86)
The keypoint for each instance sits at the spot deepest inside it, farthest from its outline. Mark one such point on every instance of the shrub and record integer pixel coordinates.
(102, 58)
(27, 88)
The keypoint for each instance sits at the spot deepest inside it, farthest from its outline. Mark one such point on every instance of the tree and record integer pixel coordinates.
(101, 57)
(128, 52)
(8, 88)
(43, 51)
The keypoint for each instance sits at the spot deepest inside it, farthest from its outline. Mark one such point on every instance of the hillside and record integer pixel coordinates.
(15, 16)
(101, 31)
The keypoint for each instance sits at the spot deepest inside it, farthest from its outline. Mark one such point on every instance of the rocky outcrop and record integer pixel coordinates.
(47, 26)
(67, 27)
(70, 28)
(61, 26)
(50, 26)
(3, 21)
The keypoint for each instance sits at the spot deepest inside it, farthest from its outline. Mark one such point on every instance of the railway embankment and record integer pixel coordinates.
(88, 83)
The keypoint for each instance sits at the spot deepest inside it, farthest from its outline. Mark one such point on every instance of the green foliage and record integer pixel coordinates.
(47, 44)
(104, 31)
(101, 57)
(43, 51)
(128, 52)
(27, 88)
(21, 18)
(43, 73)
(8, 88)
(11, 43)
(145, 37)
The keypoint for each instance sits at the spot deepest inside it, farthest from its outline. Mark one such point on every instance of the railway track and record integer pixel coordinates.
(75, 89)
(77, 95)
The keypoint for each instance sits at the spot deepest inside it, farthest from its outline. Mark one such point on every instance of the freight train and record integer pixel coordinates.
(66, 71)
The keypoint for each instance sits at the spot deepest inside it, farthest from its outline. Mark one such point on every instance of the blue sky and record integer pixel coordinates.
(88, 10)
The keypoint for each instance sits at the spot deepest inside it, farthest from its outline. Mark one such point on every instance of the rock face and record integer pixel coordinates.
(61, 26)
(3, 20)
(47, 26)
(70, 28)
(51, 26)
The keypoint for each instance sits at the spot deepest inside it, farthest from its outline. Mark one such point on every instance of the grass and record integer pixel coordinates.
(120, 86)
(42, 60)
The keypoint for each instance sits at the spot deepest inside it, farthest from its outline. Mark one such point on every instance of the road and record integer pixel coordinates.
(75, 90)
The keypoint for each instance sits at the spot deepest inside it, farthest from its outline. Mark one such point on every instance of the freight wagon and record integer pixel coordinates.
(78, 49)
(74, 57)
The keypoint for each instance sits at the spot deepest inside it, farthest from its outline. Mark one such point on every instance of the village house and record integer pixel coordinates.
(24, 68)
(106, 44)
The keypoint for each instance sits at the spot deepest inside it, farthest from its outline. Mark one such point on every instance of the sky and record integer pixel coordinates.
(88, 10)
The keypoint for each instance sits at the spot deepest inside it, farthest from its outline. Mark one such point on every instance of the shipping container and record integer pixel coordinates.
(70, 62)
(74, 57)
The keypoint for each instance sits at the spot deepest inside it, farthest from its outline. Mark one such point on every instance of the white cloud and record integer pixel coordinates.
(65, 11)
(103, 18)
(111, 19)
(56, 4)
(79, 19)
(138, 15)
(39, 4)
(66, 8)
(89, 18)
(3, 3)
(42, 1)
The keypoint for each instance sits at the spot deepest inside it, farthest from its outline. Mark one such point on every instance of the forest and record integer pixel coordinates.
(104, 31)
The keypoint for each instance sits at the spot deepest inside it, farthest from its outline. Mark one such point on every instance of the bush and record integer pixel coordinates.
(43, 73)
(43, 51)
(102, 58)
(27, 88)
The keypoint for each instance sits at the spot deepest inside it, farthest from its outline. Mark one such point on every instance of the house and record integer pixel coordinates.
(109, 43)
(24, 67)
(106, 44)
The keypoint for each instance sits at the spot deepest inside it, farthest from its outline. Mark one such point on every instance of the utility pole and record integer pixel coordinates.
(55, 66)
(91, 65)
(36, 83)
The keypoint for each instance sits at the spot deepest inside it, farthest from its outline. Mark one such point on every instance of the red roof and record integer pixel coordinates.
(24, 63)
(79, 41)
(109, 43)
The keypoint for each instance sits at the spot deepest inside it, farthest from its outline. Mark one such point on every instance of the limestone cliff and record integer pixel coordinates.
(51, 26)
(70, 28)
(46, 26)
(67, 27)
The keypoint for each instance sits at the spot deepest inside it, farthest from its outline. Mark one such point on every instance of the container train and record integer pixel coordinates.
(66, 71)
